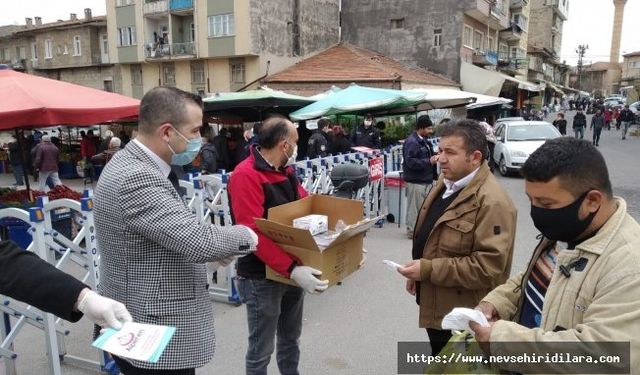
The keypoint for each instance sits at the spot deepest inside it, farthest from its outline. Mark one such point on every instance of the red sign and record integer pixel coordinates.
(376, 169)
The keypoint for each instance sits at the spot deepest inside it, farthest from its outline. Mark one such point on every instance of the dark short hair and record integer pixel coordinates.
(164, 104)
(424, 121)
(273, 130)
(323, 123)
(578, 165)
(471, 133)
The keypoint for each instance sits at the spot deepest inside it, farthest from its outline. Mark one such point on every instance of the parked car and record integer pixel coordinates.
(635, 108)
(506, 119)
(516, 140)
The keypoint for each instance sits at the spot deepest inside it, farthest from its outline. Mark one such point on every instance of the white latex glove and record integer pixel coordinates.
(307, 280)
(254, 236)
(103, 311)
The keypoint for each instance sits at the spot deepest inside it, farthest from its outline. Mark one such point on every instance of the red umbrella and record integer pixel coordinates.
(30, 101)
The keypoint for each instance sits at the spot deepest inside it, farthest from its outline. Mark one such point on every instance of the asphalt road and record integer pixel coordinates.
(353, 328)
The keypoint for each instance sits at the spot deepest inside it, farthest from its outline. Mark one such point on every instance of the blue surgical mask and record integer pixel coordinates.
(187, 156)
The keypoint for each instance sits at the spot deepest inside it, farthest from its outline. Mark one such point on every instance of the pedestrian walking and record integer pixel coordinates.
(560, 123)
(46, 161)
(579, 123)
(626, 118)
(597, 123)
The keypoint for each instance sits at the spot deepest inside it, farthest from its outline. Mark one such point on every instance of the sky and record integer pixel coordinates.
(590, 22)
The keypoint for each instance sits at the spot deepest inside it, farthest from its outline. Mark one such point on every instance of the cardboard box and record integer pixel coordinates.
(338, 260)
(314, 223)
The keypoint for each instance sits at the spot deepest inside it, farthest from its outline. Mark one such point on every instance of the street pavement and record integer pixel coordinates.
(353, 328)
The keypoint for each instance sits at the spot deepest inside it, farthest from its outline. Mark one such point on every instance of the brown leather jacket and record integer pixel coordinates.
(469, 250)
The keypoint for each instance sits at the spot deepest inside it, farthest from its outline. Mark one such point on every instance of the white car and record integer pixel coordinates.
(516, 140)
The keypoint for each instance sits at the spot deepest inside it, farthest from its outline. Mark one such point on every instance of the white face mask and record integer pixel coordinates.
(292, 159)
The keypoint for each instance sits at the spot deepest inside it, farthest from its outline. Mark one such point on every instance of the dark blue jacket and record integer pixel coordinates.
(367, 137)
(416, 166)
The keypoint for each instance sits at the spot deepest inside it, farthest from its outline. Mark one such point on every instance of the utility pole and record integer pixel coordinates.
(580, 51)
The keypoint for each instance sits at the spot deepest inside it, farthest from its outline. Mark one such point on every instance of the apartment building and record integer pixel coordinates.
(74, 50)
(206, 46)
(479, 43)
(630, 82)
(547, 19)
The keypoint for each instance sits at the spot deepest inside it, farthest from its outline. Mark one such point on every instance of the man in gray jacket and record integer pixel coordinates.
(153, 249)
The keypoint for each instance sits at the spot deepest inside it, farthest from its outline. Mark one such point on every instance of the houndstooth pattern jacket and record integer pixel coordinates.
(153, 252)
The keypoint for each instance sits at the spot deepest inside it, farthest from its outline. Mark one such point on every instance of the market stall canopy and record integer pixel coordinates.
(30, 101)
(487, 101)
(357, 99)
(487, 82)
(253, 105)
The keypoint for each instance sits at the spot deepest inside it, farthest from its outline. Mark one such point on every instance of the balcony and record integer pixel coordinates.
(484, 58)
(518, 4)
(180, 5)
(169, 51)
(155, 6)
(512, 34)
(512, 65)
(486, 12)
(560, 7)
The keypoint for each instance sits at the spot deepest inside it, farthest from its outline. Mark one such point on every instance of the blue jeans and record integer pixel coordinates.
(625, 128)
(273, 309)
(18, 173)
(579, 132)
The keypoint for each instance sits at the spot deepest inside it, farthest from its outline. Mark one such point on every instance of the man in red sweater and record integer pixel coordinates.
(263, 180)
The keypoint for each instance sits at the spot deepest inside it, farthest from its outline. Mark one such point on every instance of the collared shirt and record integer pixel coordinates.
(164, 167)
(453, 186)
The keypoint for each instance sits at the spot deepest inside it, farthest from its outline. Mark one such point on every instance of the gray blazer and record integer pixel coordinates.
(153, 252)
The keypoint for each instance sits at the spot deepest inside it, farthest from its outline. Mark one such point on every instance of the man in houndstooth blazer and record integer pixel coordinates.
(153, 250)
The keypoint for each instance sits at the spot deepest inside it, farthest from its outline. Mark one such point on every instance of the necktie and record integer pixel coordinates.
(173, 178)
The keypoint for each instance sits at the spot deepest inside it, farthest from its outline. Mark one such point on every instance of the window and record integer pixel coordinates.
(105, 43)
(521, 21)
(192, 26)
(65, 50)
(169, 73)
(136, 74)
(34, 51)
(197, 72)
(122, 3)
(21, 53)
(514, 52)
(503, 51)
(490, 43)
(4, 54)
(48, 49)
(77, 46)
(221, 25)
(478, 38)
(467, 36)
(397, 23)
(237, 72)
(127, 36)
(437, 37)
(635, 64)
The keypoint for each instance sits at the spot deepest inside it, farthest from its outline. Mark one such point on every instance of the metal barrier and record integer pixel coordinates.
(58, 249)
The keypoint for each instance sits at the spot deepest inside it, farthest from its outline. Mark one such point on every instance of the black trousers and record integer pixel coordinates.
(438, 338)
(128, 369)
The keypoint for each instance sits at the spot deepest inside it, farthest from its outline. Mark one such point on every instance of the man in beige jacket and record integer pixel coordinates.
(582, 285)
(464, 235)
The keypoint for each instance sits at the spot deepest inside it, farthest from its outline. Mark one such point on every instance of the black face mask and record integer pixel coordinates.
(562, 224)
